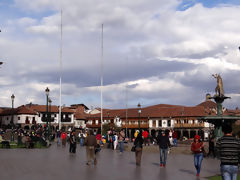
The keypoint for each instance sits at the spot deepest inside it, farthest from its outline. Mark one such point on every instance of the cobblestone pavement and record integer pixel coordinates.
(55, 163)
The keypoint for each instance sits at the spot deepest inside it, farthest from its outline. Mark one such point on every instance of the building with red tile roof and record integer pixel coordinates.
(183, 119)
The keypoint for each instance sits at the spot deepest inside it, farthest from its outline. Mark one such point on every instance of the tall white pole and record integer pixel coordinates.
(102, 83)
(60, 80)
(126, 93)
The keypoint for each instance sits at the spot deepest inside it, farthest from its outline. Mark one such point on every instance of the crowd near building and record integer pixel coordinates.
(183, 119)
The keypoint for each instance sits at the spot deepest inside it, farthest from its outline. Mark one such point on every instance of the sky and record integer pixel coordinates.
(154, 51)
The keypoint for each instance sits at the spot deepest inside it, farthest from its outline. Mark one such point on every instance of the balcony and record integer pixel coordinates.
(94, 125)
(44, 119)
(66, 119)
(186, 125)
(134, 126)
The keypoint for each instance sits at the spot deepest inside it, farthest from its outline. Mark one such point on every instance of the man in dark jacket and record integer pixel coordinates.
(73, 142)
(228, 150)
(91, 144)
(164, 144)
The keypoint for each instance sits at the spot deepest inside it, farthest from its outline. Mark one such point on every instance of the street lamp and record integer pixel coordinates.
(108, 117)
(12, 124)
(139, 115)
(12, 98)
(50, 103)
(47, 94)
(50, 116)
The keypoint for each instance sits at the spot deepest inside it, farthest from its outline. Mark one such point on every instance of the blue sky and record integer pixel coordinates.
(207, 3)
(164, 51)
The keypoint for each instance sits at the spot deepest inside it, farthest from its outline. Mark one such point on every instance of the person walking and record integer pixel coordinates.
(174, 136)
(197, 149)
(138, 148)
(164, 144)
(58, 137)
(121, 140)
(115, 141)
(91, 144)
(211, 147)
(145, 136)
(81, 138)
(73, 142)
(228, 150)
(64, 138)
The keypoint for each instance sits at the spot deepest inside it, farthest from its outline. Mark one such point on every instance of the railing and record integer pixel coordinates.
(186, 125)
(45, 119)
(93, 125)
(135, 126)
(66, 120)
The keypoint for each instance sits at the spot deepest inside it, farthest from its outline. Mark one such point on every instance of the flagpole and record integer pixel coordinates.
(60, 79)
(102, 83)
(126, 99)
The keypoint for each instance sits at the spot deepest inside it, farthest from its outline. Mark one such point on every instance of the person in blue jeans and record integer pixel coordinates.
(228, 150)
(164, 144)
(58, 137)
(121, 140)
(197, 149)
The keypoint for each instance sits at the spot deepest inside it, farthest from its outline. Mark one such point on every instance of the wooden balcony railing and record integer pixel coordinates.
(186, 125)
(93, 125)
(135, 126)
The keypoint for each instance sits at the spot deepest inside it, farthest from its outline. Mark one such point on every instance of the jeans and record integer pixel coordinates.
(72, 148)
(58, 141)
(229, 172)
(175, 142)
(121, 143)
(81, 141)
(163, 156)
(198, 161)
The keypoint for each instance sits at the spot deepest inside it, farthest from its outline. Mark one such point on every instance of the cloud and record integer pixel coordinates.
(162, 54)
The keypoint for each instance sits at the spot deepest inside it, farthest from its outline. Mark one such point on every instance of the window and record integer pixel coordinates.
(169, 123)
(27, 121)
(160, 123)
(19, 118)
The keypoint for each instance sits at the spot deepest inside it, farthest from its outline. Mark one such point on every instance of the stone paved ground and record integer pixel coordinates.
(55, 163)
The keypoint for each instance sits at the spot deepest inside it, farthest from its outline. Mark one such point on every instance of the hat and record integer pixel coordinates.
(197, 137)
(163, 132)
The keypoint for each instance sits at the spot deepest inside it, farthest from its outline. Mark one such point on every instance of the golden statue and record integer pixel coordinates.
(219, 89)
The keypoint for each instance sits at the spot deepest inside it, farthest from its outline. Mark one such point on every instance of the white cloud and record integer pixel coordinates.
(149, 33)
(26, 21)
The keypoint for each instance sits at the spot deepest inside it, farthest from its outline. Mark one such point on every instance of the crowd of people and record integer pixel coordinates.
(27, 138)
(227, 148)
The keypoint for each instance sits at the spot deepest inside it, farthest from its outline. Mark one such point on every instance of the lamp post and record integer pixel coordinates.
(47, 94)
(12, 98)
(50, 114)
(12, 124)
(139, 115)
(108, 117)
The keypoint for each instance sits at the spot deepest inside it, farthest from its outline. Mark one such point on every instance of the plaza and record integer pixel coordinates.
(56, 163)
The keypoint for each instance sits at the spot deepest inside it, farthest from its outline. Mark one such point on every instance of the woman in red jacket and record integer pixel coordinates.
(197, 149)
